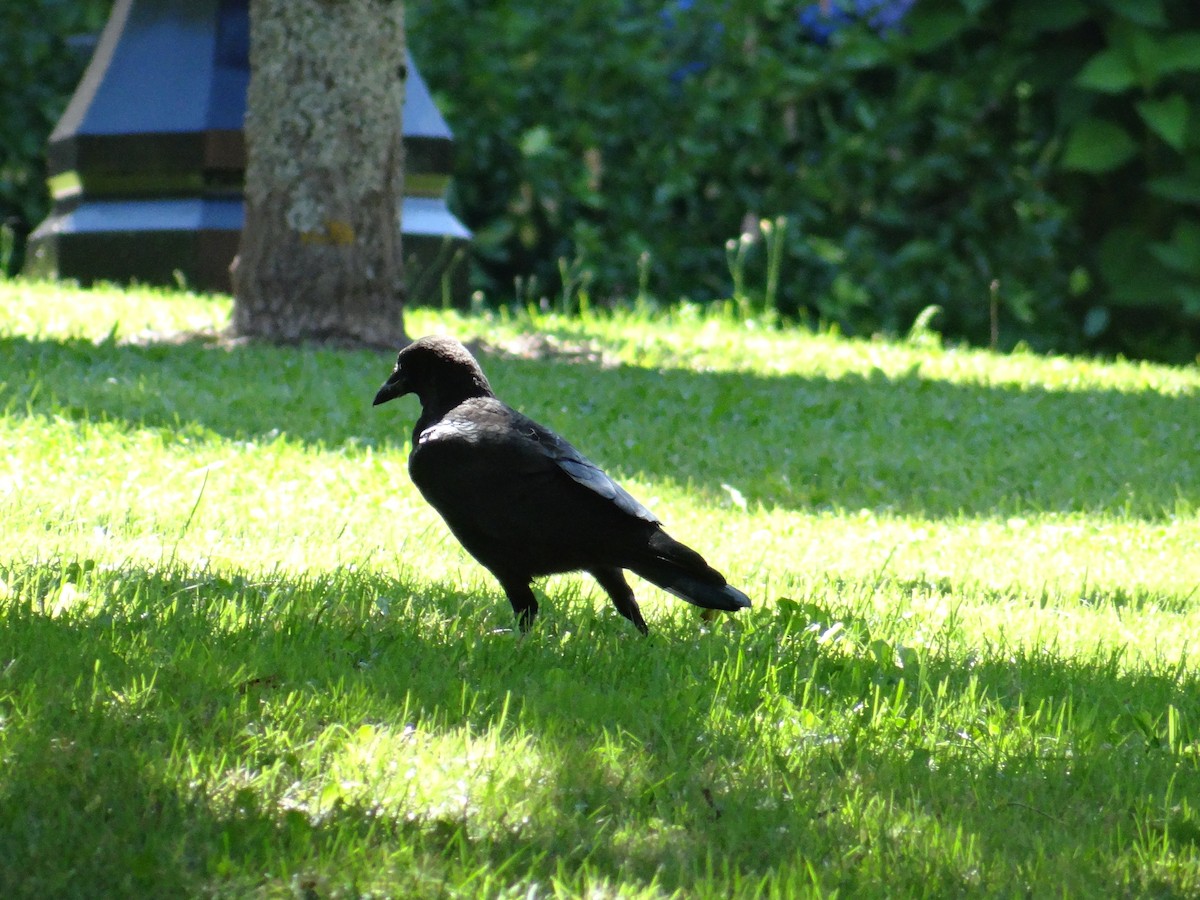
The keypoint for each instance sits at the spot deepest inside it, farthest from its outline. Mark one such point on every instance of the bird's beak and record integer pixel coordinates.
(395, 386)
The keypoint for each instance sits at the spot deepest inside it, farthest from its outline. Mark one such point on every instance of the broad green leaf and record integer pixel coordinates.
(1037, 15)
(1176, 188)
(1173, 258)
(1146, 48)
(930, 30)
(1142, 12)
(1182, 252)
(1132, 275)
(859, 51)
(1180, 53)
(1189, 298)
(1168, 118)
(1096, 146)
(1109, 71)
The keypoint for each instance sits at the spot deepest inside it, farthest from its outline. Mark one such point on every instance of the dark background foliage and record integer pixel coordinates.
(964, 158)
(640, 131)
(1027, 166)
(38, 72)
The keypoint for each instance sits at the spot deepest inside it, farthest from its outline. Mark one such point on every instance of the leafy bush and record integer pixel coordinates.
(1130, 116)
(908, 177)
(39, 73)
(1117, 81)
(980, 158)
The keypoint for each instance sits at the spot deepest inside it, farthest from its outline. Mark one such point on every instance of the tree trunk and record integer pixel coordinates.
(320, 248)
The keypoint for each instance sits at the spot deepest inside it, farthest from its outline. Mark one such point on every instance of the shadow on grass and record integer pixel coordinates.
(908, 445)
(134, 730)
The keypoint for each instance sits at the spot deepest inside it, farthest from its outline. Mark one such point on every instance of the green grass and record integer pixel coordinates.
(240, 657)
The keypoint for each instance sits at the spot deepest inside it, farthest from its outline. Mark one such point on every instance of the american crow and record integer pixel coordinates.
(524, 502)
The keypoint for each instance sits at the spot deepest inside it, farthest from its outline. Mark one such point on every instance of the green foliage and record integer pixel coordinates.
(1130, 160)
(38, 72)
(1029, 165)
(241, 657)
(1042, 156)
(908, 176)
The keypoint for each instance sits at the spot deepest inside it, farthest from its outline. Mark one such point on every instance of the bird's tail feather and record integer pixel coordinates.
(695, 591)
(680, 570)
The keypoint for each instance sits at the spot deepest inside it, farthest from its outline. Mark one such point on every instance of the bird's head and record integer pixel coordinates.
(439, 370)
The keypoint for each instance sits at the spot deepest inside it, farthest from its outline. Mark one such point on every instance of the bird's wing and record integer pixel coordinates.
(519, 445)
(585, 472)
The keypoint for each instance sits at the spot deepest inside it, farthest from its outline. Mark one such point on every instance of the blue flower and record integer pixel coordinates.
(692, 33)
(882, 15)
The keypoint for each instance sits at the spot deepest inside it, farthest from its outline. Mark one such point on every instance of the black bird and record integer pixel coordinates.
(524, 502)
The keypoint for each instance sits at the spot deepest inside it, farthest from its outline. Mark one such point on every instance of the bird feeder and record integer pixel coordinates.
(146, 165)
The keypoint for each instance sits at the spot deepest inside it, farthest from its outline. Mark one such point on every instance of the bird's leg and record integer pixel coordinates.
(524, 604)
(614, 583)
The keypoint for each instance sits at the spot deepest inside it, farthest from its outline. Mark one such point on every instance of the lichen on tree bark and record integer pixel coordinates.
(320, 249)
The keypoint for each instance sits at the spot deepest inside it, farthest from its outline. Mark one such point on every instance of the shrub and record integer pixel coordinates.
(39, 74)
(1129, 114)
(993, 157)
(908, 177)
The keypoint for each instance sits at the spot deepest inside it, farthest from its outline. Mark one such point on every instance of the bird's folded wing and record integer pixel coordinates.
(510, 444)
(587, 473)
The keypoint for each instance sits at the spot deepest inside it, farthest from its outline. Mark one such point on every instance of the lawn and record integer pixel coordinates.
(240, 657)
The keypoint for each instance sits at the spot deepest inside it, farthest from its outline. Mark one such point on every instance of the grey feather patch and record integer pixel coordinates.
(590, 476)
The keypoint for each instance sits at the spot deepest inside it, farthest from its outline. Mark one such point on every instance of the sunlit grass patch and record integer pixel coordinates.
(240, 656)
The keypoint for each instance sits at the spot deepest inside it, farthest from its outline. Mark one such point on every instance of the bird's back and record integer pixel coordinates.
(519, 497)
